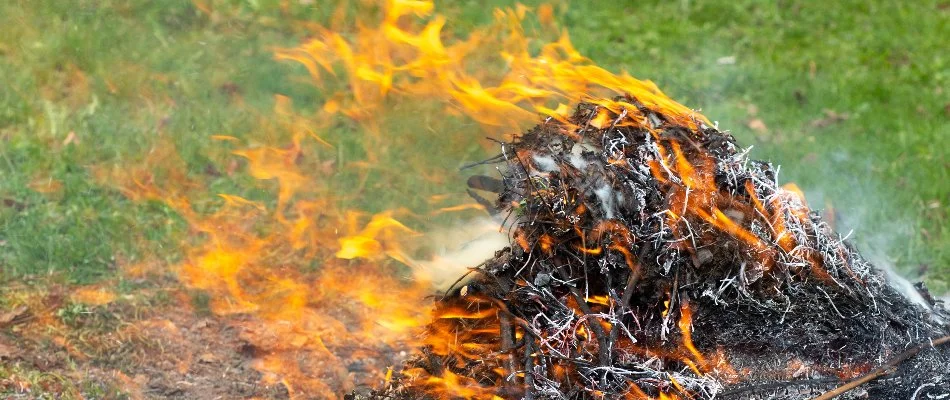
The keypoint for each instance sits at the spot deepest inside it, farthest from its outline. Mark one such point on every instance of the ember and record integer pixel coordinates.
(651, 259)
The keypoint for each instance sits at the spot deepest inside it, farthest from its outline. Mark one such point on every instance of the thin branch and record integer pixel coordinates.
(886, 369)
(507, 341)
(603, 347)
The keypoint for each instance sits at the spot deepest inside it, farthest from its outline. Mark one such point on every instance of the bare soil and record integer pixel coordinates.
(151, 345)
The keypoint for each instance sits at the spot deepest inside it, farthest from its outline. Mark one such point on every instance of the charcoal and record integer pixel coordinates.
(650, 258)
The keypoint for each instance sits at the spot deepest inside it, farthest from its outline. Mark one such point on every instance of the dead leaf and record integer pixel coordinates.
(727, 60)
(8, 352)
(93, 296)
(15, 316)
(16, 205)
(327, 167)
(45, 185)
(71, 138)
(233, 167)
(111, 87)
(132, 386)
(757, 125)
(546, 14)
(752, 109)
(831, 117)
(204, 323)
(207, 358)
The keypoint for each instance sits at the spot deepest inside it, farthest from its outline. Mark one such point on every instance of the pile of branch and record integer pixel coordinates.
(651, 259)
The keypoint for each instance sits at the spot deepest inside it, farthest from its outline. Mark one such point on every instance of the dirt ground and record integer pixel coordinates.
(56, 342)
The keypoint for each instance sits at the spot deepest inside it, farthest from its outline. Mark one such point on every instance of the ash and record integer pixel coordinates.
(652, 259)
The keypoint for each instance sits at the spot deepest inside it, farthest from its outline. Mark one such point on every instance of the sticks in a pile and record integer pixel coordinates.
(647, 250)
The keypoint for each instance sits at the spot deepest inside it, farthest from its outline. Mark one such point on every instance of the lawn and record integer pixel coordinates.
(852, 98)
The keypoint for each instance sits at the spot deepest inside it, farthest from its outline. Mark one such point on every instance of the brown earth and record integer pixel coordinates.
(156, 343)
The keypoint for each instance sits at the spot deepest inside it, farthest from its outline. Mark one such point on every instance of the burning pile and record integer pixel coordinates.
(651, 259)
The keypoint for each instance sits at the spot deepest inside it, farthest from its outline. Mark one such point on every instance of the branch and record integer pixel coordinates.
(886, 369)
(603, 347)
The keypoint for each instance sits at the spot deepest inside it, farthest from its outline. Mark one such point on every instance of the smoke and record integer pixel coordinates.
(896, 280)
(458, 248)
(455, 250)
(839, 174)
(878, 239)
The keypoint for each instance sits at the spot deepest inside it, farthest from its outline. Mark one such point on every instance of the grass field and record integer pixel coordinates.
(852, 98)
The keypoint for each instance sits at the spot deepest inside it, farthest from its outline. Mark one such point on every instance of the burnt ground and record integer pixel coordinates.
(155, 343)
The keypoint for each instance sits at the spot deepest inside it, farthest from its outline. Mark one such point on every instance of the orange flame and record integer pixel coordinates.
(407, 57)
(310, 281)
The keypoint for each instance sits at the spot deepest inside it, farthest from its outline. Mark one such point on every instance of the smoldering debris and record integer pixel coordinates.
(650, 258)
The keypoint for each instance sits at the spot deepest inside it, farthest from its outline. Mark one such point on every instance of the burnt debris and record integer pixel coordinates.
(650, 258)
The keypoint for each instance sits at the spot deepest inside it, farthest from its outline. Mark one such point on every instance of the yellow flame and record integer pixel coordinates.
(412, 59)
(257, 259)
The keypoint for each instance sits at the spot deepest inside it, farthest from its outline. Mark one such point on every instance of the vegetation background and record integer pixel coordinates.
(852, 98)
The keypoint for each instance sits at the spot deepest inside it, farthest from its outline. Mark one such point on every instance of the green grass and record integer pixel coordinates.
(18, 382)
(124, 77)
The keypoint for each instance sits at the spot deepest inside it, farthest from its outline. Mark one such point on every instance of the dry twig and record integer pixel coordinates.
(886, 369)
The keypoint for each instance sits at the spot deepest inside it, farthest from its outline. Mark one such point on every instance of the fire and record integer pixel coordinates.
(405, 55)
(367, 243)
(304, 325)
(313, 283)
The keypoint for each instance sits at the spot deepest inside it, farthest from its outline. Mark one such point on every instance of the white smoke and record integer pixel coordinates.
(896, 280)
(876, 246)
(457, 249)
